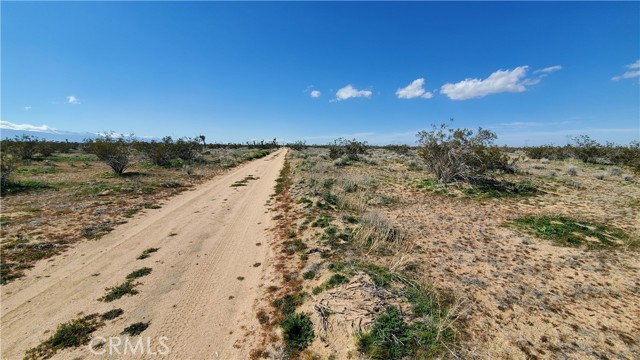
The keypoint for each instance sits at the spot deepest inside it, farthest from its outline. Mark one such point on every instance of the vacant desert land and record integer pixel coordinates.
(458, 258)
(335, 252)
(204, 263)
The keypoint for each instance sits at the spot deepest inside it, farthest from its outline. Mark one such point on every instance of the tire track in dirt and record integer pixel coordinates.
(193, 297)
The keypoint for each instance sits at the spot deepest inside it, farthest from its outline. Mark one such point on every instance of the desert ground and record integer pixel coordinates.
(297, 255)
(206, 273)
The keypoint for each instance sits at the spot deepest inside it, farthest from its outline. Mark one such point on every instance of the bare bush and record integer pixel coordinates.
(615, 171)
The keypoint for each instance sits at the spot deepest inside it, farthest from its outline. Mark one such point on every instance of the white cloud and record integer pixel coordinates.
(73, 100)
(635, 65)
(549, 69)
(629, 74)
(27, 108)
(349, 91)
(315, 94)
(498, 82)
(25, 127)
(414, 90)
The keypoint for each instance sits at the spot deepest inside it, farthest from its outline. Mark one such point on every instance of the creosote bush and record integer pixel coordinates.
(115, 152)
(459, 154)
(349, 149)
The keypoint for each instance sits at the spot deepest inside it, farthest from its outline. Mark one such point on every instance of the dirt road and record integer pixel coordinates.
(200, 295)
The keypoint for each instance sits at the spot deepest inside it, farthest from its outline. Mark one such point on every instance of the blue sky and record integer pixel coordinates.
(533, 72)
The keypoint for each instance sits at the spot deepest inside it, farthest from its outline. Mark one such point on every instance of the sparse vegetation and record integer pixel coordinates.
(146, 253)
(139, 273)
(112, 314)
(68, 335)
(569, 232)
(114, 293)
(135, 329)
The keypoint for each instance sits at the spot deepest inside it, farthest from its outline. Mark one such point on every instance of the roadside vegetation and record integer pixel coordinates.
(103, 182)
(405, 235)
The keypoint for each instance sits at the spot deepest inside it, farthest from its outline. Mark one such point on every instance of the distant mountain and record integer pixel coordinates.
(52, 135)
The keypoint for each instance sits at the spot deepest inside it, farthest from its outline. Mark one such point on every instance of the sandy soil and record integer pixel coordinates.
(519, 297)
(201, 293)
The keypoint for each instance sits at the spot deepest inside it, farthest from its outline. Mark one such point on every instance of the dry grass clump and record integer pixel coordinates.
(376, 233)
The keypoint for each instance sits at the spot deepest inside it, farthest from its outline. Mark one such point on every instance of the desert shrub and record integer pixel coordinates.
(350, 149)
(186, 149)
(24, 147)
(615, 171)
(586, 149)
(392, 338)
(398, 149)
(389, 337)
(297, 330)
(572, 171)
(158, 152)
(7, 166)
(298, 145)
(288, 304)
(547, 152)
(115, 152)
(459, 154)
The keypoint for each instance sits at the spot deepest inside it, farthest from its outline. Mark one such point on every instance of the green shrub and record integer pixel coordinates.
(389, 337)
(68, 335)
(297, 330)
(112, 314)
(288, 304)
(116, 153)
(135, 329)
(350, 149)
(118, 291)
(139, 273)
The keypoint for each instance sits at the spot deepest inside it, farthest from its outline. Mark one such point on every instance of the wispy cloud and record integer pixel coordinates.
(349, 92)
(629, 74)
(26, 127)
(315, 94)
(27, 108)
(71, 99)
(498, 82)
(549, 69)
(414, 90)
(522, 123)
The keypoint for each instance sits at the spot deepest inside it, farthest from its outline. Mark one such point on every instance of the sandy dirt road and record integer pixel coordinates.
(200, 297)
